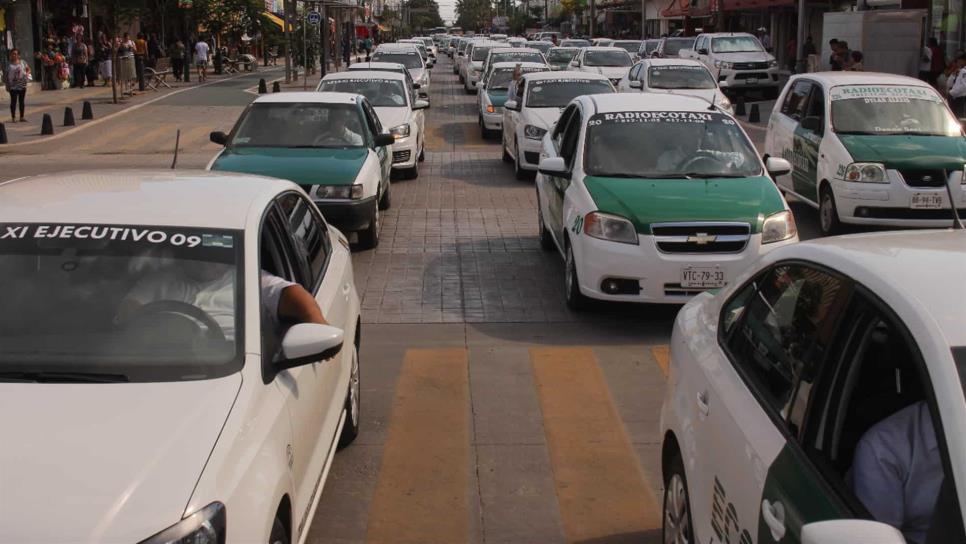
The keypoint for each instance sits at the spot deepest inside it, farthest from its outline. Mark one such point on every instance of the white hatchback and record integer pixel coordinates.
(157, 384)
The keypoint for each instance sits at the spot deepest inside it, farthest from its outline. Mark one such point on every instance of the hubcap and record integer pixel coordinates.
(677, 528)
(825, 212)
(354, 390)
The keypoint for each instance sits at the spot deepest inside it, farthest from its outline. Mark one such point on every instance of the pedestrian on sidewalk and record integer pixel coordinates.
(80, 60)
(201, 59)
(105, 62)
(140, 57)
(937, 61)
(177, 59)
(16, 75)
(957, 87)
(125, 59)
(855, 61)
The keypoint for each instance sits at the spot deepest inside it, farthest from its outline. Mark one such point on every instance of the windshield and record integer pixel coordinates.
(679, 77)
(650, 46)
(500, 78)
(890, 109)
(736, 44)
(557, 93)
(575, 43)
(299, 124)
(607, 58)
(479, 53)
(389, 93)
(673, 46)
(543, 47)
(561, 56)
(629, 46)
(120, 303)
(409, 60)
(681, 144)
(428, 41)
(520, 56)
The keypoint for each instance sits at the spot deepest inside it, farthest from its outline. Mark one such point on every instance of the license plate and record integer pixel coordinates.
(751, 81)
(926, 201)
(702, 277)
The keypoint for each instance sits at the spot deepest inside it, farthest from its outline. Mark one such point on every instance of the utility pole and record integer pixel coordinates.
(643, 19)
(323, 37)
(802, 63)
(287, 39)
(593, 18)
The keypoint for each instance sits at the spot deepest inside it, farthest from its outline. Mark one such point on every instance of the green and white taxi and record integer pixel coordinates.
(868, 149)
(820, 398)
(655, 198)
(331, 144)
(397, 106)
(493, 92)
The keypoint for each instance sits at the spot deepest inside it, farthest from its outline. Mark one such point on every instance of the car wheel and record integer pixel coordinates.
(386, 201)
(520, 173)
(422, 153)
(353, 403)
(411, 173)
(279, 535)
(677, 527)
(369, 238)
(546, 239)
(828, 214)
(507, 158)
(575, 299)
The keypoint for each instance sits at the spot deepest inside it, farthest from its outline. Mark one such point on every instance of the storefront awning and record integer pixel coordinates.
(275, 19)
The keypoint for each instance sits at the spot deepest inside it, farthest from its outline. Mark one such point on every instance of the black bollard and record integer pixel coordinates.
(69, 117)
(276, 87)
(262, 87)
(754, 116)
(740, 105)
(47, 126)
(3, 134)
(88, 112)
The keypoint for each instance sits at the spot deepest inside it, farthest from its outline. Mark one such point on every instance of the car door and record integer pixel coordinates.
(567, 149)
(808, 141)
(773, 334)
(783, 127)
(382, 151)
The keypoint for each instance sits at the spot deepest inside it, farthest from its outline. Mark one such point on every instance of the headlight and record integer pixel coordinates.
(401, 131)
(610, 227)
(534, 133)
(777, 227)
(725, 104)
(773, 63)
(723, 65)
(866, 172)
(206, 526)
(344, 192)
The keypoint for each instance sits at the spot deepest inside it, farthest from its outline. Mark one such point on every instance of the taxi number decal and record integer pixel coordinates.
(578, 224)
(724, 518)
(132, 234)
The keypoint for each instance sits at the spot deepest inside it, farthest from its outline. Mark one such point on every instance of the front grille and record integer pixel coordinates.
(750, 66)
(531, 157)
(706, 237)
(401, 156)
(675, 290)
(906, 213)
(752, 75)
(924, 178)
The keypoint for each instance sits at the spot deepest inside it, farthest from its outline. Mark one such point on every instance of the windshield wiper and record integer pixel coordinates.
(63, 377)
(620, 175)
(703, 175)
(858, 132)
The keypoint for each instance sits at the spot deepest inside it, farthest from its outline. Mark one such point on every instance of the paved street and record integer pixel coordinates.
(491, 412)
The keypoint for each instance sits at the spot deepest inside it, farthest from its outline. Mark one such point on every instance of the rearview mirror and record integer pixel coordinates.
(850, 531)
(385, 139)
(420, 105)
(777, 166)
(812, 123)
(219, 138)
(553, 166)
(636, 85)
(307, 343)
(512, 105)
(702, 51)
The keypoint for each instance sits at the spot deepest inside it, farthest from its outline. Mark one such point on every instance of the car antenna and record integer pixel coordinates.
(957, 221)
(177, 144)
(714, 97)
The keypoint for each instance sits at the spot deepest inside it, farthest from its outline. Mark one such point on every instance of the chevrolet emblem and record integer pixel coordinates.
(702, 238)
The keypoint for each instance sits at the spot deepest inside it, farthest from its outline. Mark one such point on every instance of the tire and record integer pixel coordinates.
(422, 153)
(828, 214)
(279, 535)
(507, 158)
(353, 403)
(468, 89)
(411, 173)
(677, 527)
(386, 201)
(520, 173)
(575, 299)
(546, 239)
(369, 238)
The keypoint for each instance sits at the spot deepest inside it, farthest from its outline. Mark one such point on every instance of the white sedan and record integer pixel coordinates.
(674, 76)
(610, 62)
(164, 373)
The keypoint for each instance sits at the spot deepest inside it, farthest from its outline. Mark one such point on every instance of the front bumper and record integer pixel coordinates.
(891, 204)
(472, 79)
(748, 79)
(493, 121)
(658, 273)
(528, 151)
(404, 153)
(348, 215)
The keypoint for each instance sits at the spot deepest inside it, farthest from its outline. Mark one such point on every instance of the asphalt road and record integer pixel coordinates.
(491, 413)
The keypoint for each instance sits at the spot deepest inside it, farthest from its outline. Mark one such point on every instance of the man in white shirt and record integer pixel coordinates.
(201, 59)
(957, 88)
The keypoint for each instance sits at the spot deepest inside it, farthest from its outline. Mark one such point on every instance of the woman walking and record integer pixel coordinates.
(16, 75)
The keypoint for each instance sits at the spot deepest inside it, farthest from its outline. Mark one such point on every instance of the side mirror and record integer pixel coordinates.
(575, 64)
(219, 138)
(416, 85)
(553, 166)
(424, 95)
(702, 51)
(307, 343)
(812, 123)
(512, 105)
(850, 531)
(420, 105)
(777, 166)
(636, 84)
(385, 139)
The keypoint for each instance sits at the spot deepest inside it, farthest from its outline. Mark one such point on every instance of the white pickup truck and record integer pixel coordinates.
(737, 60)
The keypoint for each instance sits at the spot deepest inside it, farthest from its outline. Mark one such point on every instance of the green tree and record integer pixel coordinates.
(423, 14)
(229, 18)
(474, 14)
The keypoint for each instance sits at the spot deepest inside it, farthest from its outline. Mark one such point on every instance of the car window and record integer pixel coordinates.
(785, 329)
(796, 100)
(561, 125)
(380, 92)
(568, 147)
(372, 119)
(299, 124)
(309, 234)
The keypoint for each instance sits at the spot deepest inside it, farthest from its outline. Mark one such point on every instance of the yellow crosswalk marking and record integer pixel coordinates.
(662, 356)
(152, 140)
(601, 489)
(107, 142)
(421, 494)
(193, 138)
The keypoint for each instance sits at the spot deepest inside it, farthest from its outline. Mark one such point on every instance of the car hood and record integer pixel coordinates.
(612, 72)
(416, 74)
(497, 97)
(105, 462)
(646, 201)
(704, 94)
(319, 166)
(543, 117)
(757, 56)
(392, 117)
(906, 151)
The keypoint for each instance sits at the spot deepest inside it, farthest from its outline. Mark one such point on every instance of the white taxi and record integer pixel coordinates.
(819, 398)
(472, 67)
(399, 111)
(512, 54)
(408, 56)
(535, 108)
(157, 383)
(610, 62)
(674, 76)
(869, 149)
(493, 92)
(661, 222)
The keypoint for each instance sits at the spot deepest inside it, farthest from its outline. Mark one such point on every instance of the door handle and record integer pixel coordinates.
(703, 407)
(346, 288)
(774, 516)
